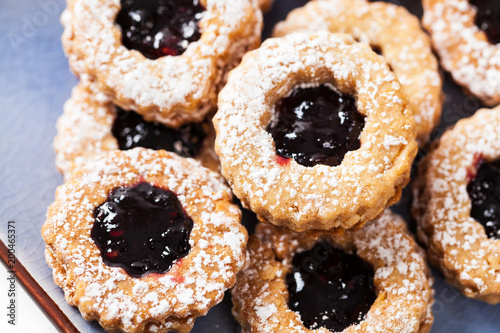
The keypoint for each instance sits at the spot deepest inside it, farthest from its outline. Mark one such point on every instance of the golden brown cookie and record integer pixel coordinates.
(393, 31)
(264, 292)
(88, 229)
(448, 190)
(265, 5)
(464, 48)
(89, 121)
(320, 197)
(172, 89)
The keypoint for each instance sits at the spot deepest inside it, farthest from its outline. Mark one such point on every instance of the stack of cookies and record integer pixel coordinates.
(315, 131)
(319, 147)
(143, 235)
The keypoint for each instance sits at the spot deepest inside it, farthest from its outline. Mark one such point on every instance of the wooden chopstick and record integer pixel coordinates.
(37, 293)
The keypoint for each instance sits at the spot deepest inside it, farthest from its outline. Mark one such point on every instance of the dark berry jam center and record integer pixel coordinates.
(131, 130)
(330, 288)
(157, 28)
(488, 18)
(484, 193)
(316, 126)
(142, 229)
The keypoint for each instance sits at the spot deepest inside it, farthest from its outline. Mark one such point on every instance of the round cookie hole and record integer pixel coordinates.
(131, 130)
(142, 228)
(484, 193)
(316, 125)
(488, 18)
(158, 28)
(330, 288)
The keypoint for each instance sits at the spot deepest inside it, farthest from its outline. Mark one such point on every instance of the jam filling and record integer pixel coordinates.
(330, 288)
(131, 130)
(484, 193)
(158, 28)
(316, 126)
(488, 18)
(142, 229)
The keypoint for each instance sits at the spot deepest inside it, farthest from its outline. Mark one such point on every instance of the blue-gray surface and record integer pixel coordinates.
(34, 83)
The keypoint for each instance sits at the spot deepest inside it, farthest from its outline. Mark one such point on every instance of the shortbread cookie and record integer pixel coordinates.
(144, 241)
(466, 36)
(393, 32)
(315, 132)
(370, 280)
(165, 59)
(456, 204)
(92, 125)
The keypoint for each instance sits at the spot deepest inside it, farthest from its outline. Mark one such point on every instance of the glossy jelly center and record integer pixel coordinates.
(330, 288)
(488, 18)
(142, 229)
(316, 125)
(484, 193)
(131, 130)
(158, 28)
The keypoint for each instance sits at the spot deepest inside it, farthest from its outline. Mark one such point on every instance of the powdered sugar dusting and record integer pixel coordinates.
(84, 131)
(189, 288)
(390, 141)
(396, 33)
(456, 242)
(173, 90)
(293, 195)
(402, 278)
(463, 47)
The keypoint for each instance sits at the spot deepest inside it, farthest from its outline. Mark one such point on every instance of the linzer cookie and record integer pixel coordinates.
(374, 279)
(466, 36)
(164, 59)
(314, 132)
(144, 241)
(92, 125)
(457, 205)
(391, 31)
